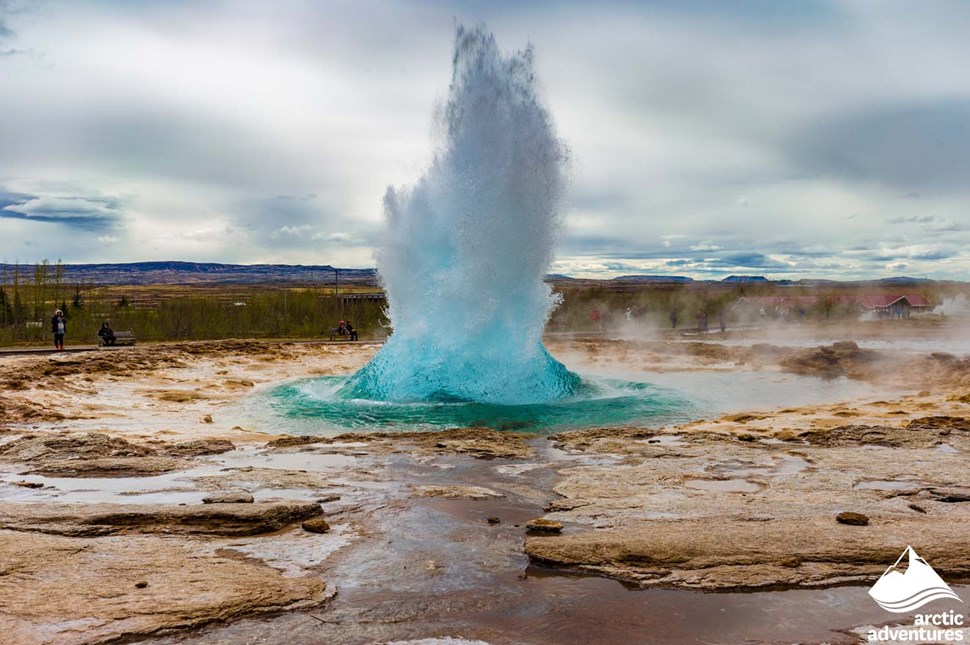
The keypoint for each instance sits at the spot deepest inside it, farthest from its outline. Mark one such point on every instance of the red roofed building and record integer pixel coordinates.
(882, 306)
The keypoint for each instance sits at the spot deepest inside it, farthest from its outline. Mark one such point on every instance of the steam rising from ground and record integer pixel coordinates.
(466, 248)
(956, 306)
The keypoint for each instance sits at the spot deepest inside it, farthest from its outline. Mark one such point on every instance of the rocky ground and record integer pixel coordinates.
(135, 504)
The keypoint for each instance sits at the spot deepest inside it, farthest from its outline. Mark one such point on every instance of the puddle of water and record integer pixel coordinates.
(296, 551)
(176, 487)
(781, 466)
(723, 485)
(518, 469)
(947, 448)
(310, 460)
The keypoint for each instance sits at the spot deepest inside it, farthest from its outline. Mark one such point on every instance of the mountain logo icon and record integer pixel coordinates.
(902, 592)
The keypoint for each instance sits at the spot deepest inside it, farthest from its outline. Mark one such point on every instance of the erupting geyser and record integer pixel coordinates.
(466, 248)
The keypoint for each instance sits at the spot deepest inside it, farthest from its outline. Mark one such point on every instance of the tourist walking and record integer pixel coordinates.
(59, 328)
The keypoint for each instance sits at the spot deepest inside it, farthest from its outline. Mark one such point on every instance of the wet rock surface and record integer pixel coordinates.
(199, 447)
(482, 443)
(456, 492)
(91, 520)
(90, 445)
(542, 525)
(743, 502)
(711, 554)
(229, 498)
(73, 591)
(687, 506)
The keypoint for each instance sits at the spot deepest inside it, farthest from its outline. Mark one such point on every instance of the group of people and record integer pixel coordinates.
(107, 335)
(59, 329)
(346, 329)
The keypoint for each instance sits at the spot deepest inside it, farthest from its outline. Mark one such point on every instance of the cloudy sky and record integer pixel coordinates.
(787, 139)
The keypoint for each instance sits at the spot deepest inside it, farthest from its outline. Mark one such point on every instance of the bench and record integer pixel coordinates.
(121, 338)
(335, 336)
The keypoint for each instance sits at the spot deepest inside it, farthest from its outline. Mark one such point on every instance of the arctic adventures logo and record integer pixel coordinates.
(901, 591)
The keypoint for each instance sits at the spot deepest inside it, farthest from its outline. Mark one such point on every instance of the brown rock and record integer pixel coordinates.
(89, 520)
(494, 520)
(457, 492)
(66, 590)
(542, 525)
(951, 495)
(108, 467)
(200, 447)
(316, 525)
(718, 554)
(852, 519)
(228, 498)
(288, 441)
(89, 445)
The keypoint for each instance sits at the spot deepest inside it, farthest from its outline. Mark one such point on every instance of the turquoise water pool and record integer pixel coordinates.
(321, 406)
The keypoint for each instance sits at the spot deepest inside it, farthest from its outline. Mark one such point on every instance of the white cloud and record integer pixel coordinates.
(698, 133)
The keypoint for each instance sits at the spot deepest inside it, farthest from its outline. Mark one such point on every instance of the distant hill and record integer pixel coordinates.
(198, 273)
(904, 280)
(745, 278)
(654, 278)
(145, 273)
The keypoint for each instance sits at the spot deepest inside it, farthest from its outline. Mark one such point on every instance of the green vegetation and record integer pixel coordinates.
(29, 297)
(201, 311)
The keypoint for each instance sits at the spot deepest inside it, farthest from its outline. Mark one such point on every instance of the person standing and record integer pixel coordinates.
(351, 332)
(59, 328)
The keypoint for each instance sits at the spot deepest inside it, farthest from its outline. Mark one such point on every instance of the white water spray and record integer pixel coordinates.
(466, 248)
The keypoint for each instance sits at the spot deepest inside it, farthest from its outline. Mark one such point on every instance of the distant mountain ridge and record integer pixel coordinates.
(177, 272)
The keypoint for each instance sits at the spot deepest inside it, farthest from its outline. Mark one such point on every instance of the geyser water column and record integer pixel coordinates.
(465, 249)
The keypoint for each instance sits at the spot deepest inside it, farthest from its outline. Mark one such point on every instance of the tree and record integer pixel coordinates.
(77, 302)
(6, 311)
(123, 302)
(19, 310)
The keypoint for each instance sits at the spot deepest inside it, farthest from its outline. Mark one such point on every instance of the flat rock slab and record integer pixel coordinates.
(90, 520)
(482, 443)
(200, 447)
(108, 467)
(74, 591)
(88, 445)
(457, 492)
(229, 498)
(724, 554)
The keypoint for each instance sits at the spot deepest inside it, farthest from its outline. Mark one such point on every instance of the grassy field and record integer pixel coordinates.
(185, 312)
(202, 310)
